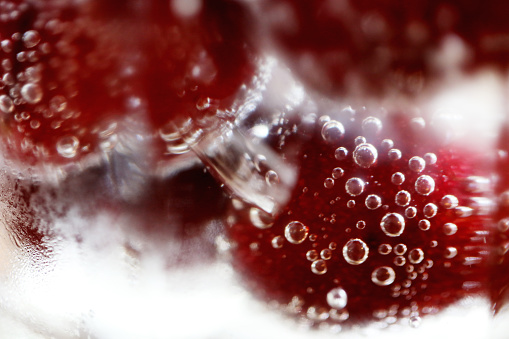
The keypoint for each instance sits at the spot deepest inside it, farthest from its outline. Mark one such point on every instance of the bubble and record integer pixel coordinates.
(361, 224)
(424, 185)
(35, 124)
(414, 321)
(430, 158)
(402, 198)
(68, 146)
(383, 276)
(399, 260)
(31, 38)
(417, 123)
(260, 218)
(354, 186)
(449, 201)
(450, 228)
(32, 93)
(393, 224)
(416, 256)
(373, 201)
(311, 255)
(317, 314)
(319, 267)
(337, 173)
(394, 154)
(355, 251)
(430, 210)
(339, 315)
(424, 224)
(6, 104)
(337, 298)
(203, 103)
(365, 155)
(400, 249)
(277, 241)
(359, 140)
(384, 249)
(332, 131)
(371, 125)
(417, 164)
(296, 232)
(341, 153)
(271, 177)
(350, 204)
(326, 254)
(328, 183)
(398, 178)
(58, 103)
(503, 225)
(450, 252)
(411, 212)
(387, 144)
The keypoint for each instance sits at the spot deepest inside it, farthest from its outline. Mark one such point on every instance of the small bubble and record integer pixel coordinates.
(424, 224)
(31, 38)
(402, 198)
(332, 131)
(296, 232)
(319, 267)
(398, 178)
(387, 144)
(32, 93)
(361, 224)
(416, 256)
(337, 298)
(6, 104)
(311, 255)
(430, 158)
(203, 103)
(328, 183)
(450, 252)
(450, 228)
(339, 315)
(417, 164)
(393, 224)
(350, 204)
(277, 241)
(365, 155)
(430, 210)
(394, 154)
(260, 218)
(415, 321)
(373, 201)
(503, 225)
(449, 201)
(417, 124)
(332, 246)
(399, 260)
(355, 251)
(317, 314)
(359, 140)
(371, 125)
(68, 146)
(410, 212)
(354, 186)
(337, 173)
(271, 178)
(383, 276)
(35, 124)
(384, 249)
(58, 103)
(400, 249)
(424, 185)
(341, 153)
(326, 254)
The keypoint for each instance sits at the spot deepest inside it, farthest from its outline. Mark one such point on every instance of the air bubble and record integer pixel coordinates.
(350, 204)
(503, 225)
(271, 177)
(341, 153)
(32, 93)
(355, 251)
(430, 158)
(383, 276)
(372, 126)
(365, 155)
(416, 256)
(68, 146)
(319, 267)
(450, 228)
(416, 164)
(424, 224)
(449, 201)
(58, 103)
(411, 212)
(332, 131)
(296, 232)
(6, 104)
(337, 173)
(393, 224)
(260, 218)
(402, 198)
(337, 298)
(384, 249)
(373, 201)
(399, 260)
(277, 241)
(31, 38)
(417, 123)
(450, 252)
(326, 254)
(430, 210)
(341, 315)
(398, 178)
(354, 186)
(361, 224)
(400, 249)
(328, 183)
(387, 144)
(311, 255)
(424, 185)
(394, 154)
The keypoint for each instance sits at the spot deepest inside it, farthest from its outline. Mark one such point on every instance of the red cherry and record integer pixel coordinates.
(378, 47)
(387, 221)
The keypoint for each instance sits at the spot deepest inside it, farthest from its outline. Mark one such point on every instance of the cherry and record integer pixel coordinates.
(387, 221)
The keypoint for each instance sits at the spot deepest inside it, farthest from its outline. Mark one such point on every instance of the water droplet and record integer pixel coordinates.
(337, 298)
(373, 201)
(32, 93)
(365, 155)
(430, 210)
(449, 201)
(450, 228)
(430, 158)
(68, 146)
(384, 249)
(400, 249)
(411, 212)
(260, 218)
(311, 255)
(355, 251)
(361, 224)
(416, 256)
(402, 198)
(383, 276)
(424, 224)
(354, 186)
(277, 241)
(393, 224)
(31, 38)
(450, 252)
(398, 178)
(424, 185)
(394, 154)
(341, 153)
(326, 254)
(319, 267)
(332, 131)
(337, 173)
(6, 104)
(328, 183)
(416, 164)
(399, 260)
(271, 177)
(296, 232)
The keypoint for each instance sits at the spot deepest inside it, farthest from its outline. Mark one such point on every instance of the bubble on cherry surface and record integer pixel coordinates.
(430, 158)
(326, 254)
(416, 256)
(319, 267)
(341, 153)
(424, 224)
(6, 104)
(337, 298)
(387, 144)
(398, 178)
(361, 224)
(393, 224)
(32, 93)
(383, 276)
(402, 198)
(296, 232)
(359, 140)
(58, 103)
(31, 38)
(312, 255)
(365, 155)
(430, 210)
(355, 251)
(450, 228)
(400, 249)
(384, 249)
(503, 225)
(416, 164)
(271, 177)
(424, 185)
(337, 173)
(328, 183)
(333, 131)
(394, 154)
(372, 125)
(410, 212)
(354, 186)
(449, 201)
(260, 219)
(450, 252)
(373, 201)
(399, 260)
(68, 146)
(277, 241)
